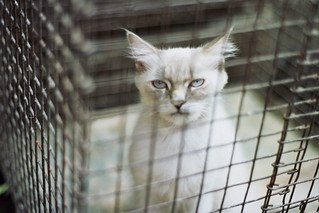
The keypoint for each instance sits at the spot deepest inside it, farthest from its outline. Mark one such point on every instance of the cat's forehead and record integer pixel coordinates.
(178, 63)
(175, 55)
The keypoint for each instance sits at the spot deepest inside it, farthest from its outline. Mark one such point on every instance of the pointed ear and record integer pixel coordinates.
(138, 46)
(221, 45)
(140, 50)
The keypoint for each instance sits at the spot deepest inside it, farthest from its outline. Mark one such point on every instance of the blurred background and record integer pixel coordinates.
(269, 34)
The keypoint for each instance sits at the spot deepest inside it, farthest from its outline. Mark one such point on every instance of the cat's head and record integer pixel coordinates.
(180, 83)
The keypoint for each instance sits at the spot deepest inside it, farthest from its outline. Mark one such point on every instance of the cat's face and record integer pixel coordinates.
(179, 83)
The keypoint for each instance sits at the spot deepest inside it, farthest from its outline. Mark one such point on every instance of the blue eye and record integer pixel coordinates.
(197, 83)
(158, 84)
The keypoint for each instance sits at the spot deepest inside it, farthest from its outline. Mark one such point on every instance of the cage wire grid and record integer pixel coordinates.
(69, 104)
(43, 132)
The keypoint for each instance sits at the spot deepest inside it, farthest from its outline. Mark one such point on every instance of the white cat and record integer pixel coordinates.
(173, 139)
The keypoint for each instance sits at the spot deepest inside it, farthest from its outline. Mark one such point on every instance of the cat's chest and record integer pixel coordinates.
(170, 148)
(182, 140)
(170, 142)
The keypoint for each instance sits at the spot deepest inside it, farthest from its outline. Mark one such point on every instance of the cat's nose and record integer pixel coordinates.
(179, 104)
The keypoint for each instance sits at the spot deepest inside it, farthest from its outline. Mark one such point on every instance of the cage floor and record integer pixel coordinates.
(110, 139)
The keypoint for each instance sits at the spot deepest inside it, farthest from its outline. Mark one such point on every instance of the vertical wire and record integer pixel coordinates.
(36, 111)
(179, 165)
(55, 151)
(22, 103)
(165, 21)
(63, 158)
(84, 146)
(52, 117)
(75, 121)
(64, 130)
(64, 127)
(199, 9)
(14, 113)
(182, 140)
(48, 139)
(184, 128)
(13, 135)
(194, 31)
(120, 154)
(154, 126)
(73, 165)
(46, 125)
(247, 71)
(33, 111)
(13, 119)
(26, 89)
(209, 138)
(18, 138)
(82, 203)
(10, 70)
(151, 160)
(17, 96)
(268, 96)
(27, 105)
(42, 123)
(21, 98)
(57, 130)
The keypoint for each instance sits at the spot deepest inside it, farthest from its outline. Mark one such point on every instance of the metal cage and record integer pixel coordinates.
(68, 99)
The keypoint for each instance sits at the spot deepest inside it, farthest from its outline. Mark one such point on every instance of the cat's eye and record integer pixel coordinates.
(158, 84)
(197, 83)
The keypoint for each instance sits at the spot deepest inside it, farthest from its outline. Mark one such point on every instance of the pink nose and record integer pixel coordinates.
(178, 105)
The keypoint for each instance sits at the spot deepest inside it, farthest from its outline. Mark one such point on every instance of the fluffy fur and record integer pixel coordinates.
(178, 89)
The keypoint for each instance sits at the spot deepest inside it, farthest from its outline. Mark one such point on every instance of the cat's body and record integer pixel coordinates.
(192, 140)
(173, 139)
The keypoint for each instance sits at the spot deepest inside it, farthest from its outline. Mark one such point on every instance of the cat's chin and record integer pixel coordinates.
(180, 118)
(185, 114)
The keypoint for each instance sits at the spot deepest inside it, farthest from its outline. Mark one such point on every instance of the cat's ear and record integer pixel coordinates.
(139, 50)
(138, 45)
(221, 45)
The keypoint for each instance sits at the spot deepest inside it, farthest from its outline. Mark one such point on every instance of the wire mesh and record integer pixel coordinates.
(43, 132)
(50, 48)
(274, 39)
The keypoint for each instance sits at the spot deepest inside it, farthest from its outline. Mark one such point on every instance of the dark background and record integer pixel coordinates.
(6, 204)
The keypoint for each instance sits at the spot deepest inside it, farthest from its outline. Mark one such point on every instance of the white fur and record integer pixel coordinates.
(164, 132)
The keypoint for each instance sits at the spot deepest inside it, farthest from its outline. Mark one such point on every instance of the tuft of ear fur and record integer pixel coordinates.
(222, 45)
